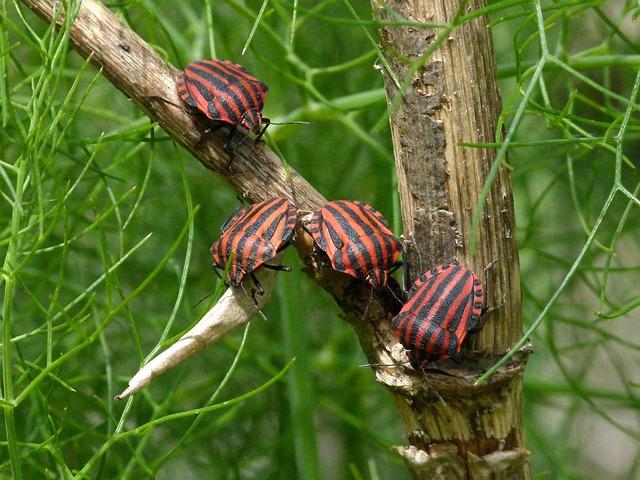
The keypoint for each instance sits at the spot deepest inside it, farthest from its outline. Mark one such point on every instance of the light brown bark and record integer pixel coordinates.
(454, 98)
(478, 432)
(135, 68)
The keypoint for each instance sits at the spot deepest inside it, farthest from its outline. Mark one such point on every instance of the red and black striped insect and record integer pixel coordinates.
(225, 93)
(254, 235)
(443, 306)
(357, 240)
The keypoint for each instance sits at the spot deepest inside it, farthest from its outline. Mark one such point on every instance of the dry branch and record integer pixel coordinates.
(234, 309)
(479, 430)
(143, 76)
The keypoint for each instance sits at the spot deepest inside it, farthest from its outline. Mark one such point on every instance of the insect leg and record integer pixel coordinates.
(406, 281)
(393, 294)
(278, 268)
(378, 365)
(266, 122)
(429, 385)
(258, 288)
(227, 144)
(201, 300)
(479, 324)
(253, 297)
(216, 269)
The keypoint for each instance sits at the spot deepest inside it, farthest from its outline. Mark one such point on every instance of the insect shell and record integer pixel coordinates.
(225, 92)
(356, 239)
(254, 235)
(443, 306)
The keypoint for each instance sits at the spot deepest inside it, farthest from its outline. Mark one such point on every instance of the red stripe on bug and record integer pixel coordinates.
(202, 97)
(245, 98)
(183, 93)
(254, 235)
(356, 239)
(225, 92)
(225, 109)
(426, 324)
(446, 299)
(367, 238)
(250, 84)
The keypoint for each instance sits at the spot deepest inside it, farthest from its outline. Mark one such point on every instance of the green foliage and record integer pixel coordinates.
(105, 226)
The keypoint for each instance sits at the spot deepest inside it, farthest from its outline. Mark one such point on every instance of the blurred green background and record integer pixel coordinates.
(105, 226)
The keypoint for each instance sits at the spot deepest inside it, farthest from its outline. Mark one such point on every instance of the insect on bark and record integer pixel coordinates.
(225, 93)
(254, 235)
(357, 240)
(443, 306)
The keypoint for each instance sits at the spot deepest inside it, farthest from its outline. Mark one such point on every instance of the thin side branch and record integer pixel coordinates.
(234, 309)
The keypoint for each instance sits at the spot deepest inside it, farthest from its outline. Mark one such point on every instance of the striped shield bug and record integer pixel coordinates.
(443, 306)
(225, 93)
(254, 235)
(357, 240)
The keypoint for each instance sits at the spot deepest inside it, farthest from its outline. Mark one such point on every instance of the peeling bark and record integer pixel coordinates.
(471, 431)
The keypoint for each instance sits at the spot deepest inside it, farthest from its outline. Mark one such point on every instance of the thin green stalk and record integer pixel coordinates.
(5, 92)
(502, 151)
(143, 185)
(611, 251)
(416, 66)
(210, 29)
(299, 384)
(578, 390)
(54, 300)
(9, 279)
(374, 43)
(255, 26)
(294, 16)
(554, 298)
(576, 62)
(94, 335)
(176, 416)
(196, 421)
(185, 268)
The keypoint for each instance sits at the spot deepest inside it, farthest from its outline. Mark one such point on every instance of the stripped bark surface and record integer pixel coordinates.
(479, 428)
(452, 98)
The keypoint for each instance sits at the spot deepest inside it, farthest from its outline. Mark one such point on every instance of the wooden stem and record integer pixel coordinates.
(452, 98)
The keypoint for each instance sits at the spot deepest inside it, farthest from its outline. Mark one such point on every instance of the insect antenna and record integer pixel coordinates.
(393, 294)
(253, 298)
(290, 123)
(277, 268)
(424, 374)
(208, 295)
(378, 365)
(216, 269)
(366, 308)
(430, 385)
(228, 142)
